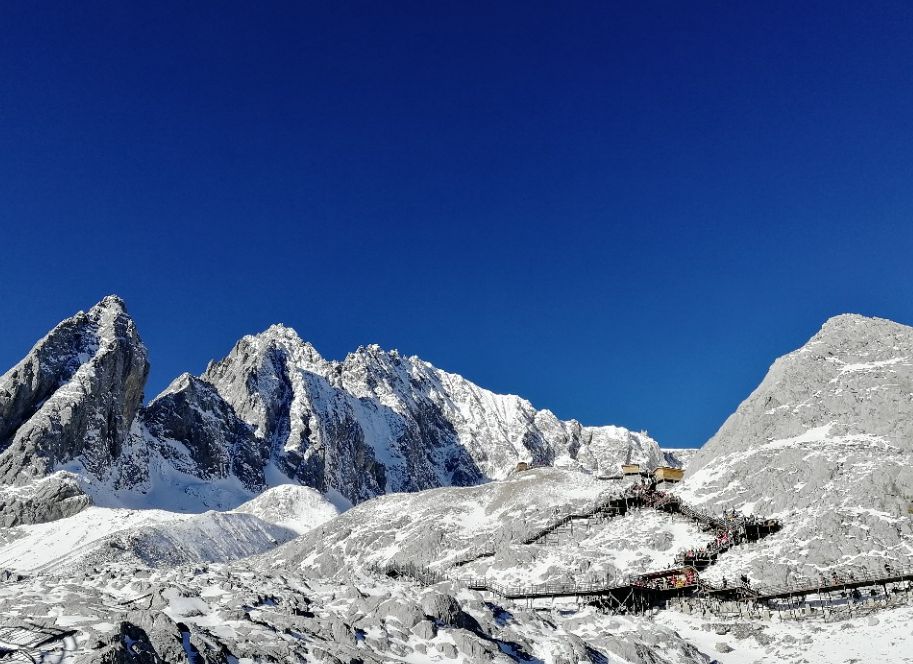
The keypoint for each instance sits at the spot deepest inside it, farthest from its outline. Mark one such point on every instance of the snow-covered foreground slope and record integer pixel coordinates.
(439, 526)
(443, 528)
(240, 616)
(591, 551)
(882, 637)
(826, 444)
(318, 597)
(43, 545)
(139, 537)
(157, 538)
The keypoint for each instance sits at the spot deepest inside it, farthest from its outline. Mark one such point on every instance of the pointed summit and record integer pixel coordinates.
(111, 302)
(74, 396)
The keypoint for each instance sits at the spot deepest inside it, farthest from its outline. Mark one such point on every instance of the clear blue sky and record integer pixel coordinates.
(621, 211)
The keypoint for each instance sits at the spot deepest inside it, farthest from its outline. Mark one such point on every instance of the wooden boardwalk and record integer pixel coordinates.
(640, 593)
(644, 591)
(837, 583)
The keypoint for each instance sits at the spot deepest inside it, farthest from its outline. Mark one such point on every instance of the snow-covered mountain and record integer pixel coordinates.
(826, 443)
(282, 442)
(73, 398)
(379, 421)
(272, 412)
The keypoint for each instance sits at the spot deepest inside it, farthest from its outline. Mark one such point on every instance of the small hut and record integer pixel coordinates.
(630, 469)
(668, 474)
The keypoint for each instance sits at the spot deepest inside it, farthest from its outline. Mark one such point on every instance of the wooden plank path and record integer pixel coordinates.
(632, 593)
(653, 590)
(839, 583)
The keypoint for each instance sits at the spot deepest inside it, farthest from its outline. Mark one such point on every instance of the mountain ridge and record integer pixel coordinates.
(272, 411)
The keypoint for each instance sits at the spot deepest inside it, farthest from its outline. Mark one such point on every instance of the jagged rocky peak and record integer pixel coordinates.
(215, 442)
(74, 396)
(829, 429)
(280, 386)
(381, 421)
(256, 376)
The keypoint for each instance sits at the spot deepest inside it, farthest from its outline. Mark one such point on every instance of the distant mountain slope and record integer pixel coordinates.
(826, 443)
(678, 457)
(379, 422)
(272, 412)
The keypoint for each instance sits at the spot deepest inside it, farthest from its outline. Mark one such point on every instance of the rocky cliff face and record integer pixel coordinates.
(74, 396)
(379, 422)
(826, 442)
(199, 434)
(272, 411)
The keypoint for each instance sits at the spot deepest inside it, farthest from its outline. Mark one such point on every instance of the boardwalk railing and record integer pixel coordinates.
(509, 591)
(623, 594)
(838, 582)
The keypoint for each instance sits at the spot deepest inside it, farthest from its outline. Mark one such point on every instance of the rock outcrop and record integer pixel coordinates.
(826, 443)
(55, 497)
(214, 442)
(74, 396)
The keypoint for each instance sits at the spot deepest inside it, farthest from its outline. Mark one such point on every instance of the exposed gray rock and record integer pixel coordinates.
(379, 422)
(406, 613)
(425, 629)
(73, 397)
(215, 443)
(440, 607)
(678, 458)
(54, 497)
(826, 443)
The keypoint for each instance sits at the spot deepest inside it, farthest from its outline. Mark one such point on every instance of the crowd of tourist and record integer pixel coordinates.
(673, 579)
(723, 540)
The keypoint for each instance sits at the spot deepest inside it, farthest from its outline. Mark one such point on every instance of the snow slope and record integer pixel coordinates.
(438, 526)
(297, 508)
(826, 444)
(44, 545)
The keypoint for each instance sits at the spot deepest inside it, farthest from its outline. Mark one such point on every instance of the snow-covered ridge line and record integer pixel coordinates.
(407, 424)
(272, 412)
